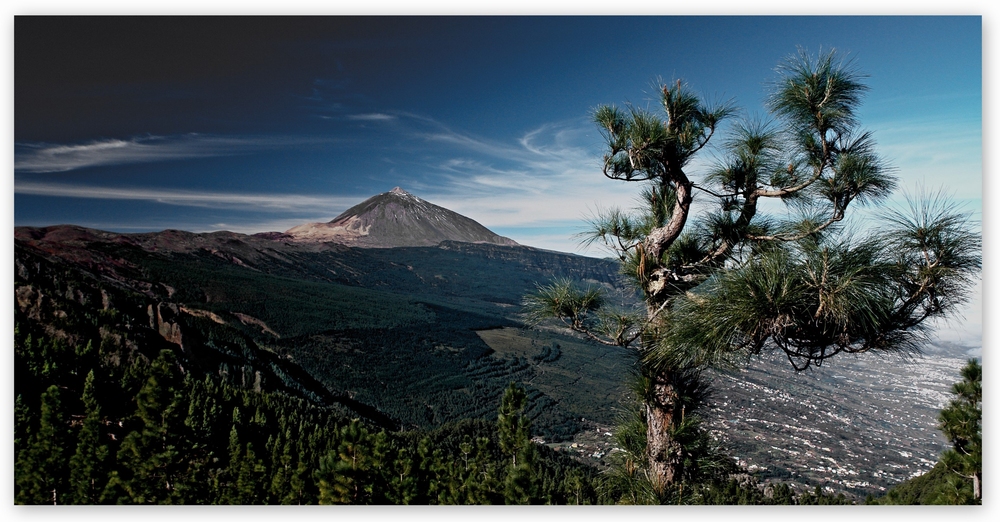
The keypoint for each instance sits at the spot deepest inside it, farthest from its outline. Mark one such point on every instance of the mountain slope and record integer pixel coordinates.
(396, 219)
(391, 329)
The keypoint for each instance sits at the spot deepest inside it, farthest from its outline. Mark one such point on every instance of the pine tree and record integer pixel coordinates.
(573, 485)
(152, 458)
(522, 485)
(739, 281)
(203, 409)
(383, 455)
(237, 485)
(250, 474)
(962, 423)
(281, 461)
(514, 434)
(40, 477)
(486, 474)
(402, 484)
(513, 427)
(435, 470)
(88, 464)
(22, 424)
(344, 476)
(298, 482)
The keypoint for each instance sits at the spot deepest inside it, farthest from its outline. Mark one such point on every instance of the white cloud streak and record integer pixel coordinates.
(376, 116)
(41, 158)
(298, 203)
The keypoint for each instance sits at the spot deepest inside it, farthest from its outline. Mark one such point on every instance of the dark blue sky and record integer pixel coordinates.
(258, 124)
(255, 124)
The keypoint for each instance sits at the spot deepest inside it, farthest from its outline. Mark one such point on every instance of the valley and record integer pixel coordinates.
(417, 337)
(856, 425)
(359, 321)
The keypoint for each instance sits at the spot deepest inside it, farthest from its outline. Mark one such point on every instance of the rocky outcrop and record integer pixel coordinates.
(31, 301)
(163, 319)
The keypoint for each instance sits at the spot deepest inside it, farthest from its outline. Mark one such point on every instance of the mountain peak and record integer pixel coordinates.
(397, 219)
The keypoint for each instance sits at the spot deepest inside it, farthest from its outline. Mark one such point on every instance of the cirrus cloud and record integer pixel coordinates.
(297, 203)
(46, 157)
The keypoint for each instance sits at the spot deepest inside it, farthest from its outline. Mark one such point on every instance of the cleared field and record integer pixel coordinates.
(586, 379)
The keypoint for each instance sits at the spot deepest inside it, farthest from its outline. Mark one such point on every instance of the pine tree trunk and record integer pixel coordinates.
(977, 487)
(663, 451)
(662, 410)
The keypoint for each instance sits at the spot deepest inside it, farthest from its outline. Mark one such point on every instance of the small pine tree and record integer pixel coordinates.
(513, 427)
(88, 463)
(344, 476)
(22, 424)
(484, 475)
(153, 457)
(522, 485)
(402, 485)
(514, 434)
(42, 466)
(250, 478)
(962, 423)
(298, 485)
(281, 462)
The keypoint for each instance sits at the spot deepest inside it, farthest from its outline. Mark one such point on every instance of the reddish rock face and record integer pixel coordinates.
(396, 219)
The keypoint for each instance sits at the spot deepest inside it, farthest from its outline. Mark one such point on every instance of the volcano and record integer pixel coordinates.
(397, 219)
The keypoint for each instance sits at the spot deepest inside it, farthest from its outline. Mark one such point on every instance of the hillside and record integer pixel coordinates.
(347, 327)
(121, 399)
(358, 321)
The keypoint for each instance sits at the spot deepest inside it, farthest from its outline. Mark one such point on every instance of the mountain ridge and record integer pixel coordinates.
(396, 219)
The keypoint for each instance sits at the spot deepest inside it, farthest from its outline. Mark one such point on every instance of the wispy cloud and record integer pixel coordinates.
(375, 116)
(550, 174)
(45, 157)
(287, 203)
(946, 151)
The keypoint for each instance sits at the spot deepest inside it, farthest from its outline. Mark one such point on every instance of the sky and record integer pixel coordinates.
(260, 124)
